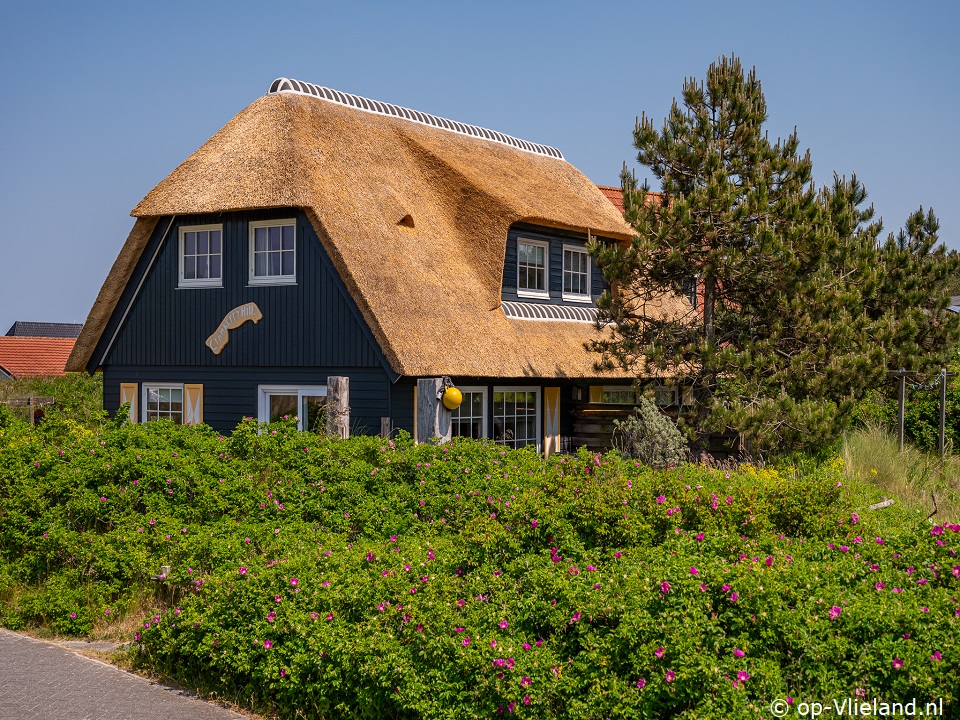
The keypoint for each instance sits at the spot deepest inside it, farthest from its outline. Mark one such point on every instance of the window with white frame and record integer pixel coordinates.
(201, 256)
(282, 402)
(533, 259)
(516, 416)
(619, 395)
(576, 273)
(273, 252)
(470, 419)
(163, 402)
(665, 395)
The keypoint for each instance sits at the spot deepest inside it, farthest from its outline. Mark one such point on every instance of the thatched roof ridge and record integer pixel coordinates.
(430, 293)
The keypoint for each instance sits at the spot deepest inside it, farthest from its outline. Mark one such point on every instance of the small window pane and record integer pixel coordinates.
(202, 266)
(287, 264)
(189, 268)
(281, 405)
(260, 239)
(215, 242)
(215, 266)
(203, 244)
(190, 243)
(274, 238)
(260, 265)
(288, 237)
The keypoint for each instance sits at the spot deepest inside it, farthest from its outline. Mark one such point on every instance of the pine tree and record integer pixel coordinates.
(799, 311)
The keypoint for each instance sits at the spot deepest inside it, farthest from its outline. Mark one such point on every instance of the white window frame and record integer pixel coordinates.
(673, 390)
(525, 292)
(265, 391)
(255, 279)
(485, 414)
(145, 394)
(539, 410)
(576, 297)
(199, 282)
(619, 389)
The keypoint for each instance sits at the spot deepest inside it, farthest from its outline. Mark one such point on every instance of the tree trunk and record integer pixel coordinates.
(709, 302)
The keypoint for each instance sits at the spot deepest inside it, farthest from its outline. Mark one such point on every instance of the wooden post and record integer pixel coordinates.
(943, 410)
(384, 427)
(338, 407)
(900, 402)
(30, 403)
(433, 419)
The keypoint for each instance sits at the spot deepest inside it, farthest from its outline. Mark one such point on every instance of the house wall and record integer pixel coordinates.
(403, 392)
(312, 323)
(309, 330)
(230, 394)
(557, 239)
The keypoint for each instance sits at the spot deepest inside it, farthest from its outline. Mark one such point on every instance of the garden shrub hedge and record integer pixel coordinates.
(381, 579)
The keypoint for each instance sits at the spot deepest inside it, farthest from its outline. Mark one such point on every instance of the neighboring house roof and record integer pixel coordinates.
(27, 356)
(44, 329)
(614, 195)
(954, 303)
(414, 215)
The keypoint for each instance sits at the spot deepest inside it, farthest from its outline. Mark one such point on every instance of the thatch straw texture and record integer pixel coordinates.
(431, 292)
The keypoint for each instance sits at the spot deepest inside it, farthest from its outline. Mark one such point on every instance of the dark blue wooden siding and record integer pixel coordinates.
(557, 239)
(314, 323)
(230, 394)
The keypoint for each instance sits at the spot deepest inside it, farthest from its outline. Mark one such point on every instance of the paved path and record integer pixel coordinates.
(43, 681)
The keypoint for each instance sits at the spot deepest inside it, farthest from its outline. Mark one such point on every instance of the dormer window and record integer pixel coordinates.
(532, 268)
(576, 273)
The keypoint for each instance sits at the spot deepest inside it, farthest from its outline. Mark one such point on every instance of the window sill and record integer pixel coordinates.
(531, 294)
(199, 286)
(271, 281)
(586, 299)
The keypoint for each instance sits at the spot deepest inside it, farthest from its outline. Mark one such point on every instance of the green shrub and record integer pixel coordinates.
(651, 437)
(318, 578)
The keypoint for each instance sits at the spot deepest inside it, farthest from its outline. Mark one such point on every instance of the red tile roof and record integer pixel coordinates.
(614, 195)
(24, 356)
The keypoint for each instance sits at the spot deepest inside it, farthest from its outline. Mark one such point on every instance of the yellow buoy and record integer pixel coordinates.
(452, 398)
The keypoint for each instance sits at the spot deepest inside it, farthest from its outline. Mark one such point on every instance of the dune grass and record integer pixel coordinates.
(914, 478)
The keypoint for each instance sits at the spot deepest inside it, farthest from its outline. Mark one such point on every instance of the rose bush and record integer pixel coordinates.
(374, 578)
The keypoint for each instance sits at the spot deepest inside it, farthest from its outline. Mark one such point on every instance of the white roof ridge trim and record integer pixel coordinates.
(298, 87)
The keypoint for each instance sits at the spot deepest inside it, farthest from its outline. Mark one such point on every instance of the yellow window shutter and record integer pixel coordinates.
(130, 393)
(193, 400)
(596, 393)
(551, 420)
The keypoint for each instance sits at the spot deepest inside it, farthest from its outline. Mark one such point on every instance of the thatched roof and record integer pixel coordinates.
(431, 293)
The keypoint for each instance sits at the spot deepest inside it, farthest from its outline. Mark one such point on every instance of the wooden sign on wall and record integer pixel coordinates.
(233, 319)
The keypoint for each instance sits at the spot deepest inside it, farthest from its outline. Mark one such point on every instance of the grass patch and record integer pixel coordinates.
(919, 480)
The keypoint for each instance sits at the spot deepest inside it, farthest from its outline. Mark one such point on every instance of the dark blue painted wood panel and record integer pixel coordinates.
(312, 323)
(230, 393)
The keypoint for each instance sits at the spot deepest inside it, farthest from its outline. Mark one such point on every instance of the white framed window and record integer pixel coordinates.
(470, 419)
(273, 252)
(619, 395)
(576, 273)
(533, 268)
(201, 256)
(163, 402)
(304, 402)
(516, 416)
(665, 395)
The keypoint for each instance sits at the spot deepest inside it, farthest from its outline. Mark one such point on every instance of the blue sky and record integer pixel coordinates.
(102, 100)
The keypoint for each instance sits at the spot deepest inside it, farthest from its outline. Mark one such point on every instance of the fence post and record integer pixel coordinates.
(901, 398)
(943, 411)
(433, 419)
(338, 406)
